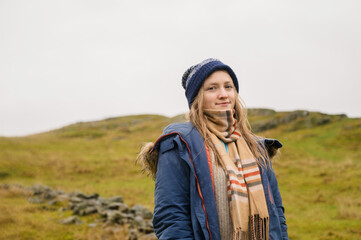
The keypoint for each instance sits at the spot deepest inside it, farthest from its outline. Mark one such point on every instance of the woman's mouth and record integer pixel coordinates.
(223, 103)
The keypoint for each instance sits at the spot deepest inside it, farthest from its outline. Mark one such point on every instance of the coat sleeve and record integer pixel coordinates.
(278, 202)
(172, 218)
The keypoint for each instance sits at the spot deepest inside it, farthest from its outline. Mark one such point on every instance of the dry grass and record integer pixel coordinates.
(349, 208)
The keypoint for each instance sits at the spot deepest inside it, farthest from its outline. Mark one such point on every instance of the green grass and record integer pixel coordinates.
(319, 172)
(319, 175)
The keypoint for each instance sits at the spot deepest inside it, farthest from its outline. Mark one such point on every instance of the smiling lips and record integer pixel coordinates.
(223, 103)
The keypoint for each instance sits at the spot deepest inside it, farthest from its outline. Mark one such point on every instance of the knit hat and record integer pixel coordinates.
(194, 77)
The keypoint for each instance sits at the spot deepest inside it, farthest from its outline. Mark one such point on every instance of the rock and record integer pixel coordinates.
(92, 225)
(140, 210)
(84, 196)
(114, 216)
(85, 207)
(139, 221)
(52, 202)
(40, 189)
(114, 199)
(261, 112)
(322, 121)
(78, 207)
(44, 192)
(63, 197)
(71, 220)
(293, 116)
(49, 195)
(118, 206)
(147, 227)
(36, 200)
(92, 196)
(132, 235)
(89, 210)
(127, 218)
(103, 213)
(74, 199)
(263, 126)
(142, 225)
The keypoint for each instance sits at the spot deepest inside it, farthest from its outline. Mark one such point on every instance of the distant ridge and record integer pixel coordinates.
(261, 119)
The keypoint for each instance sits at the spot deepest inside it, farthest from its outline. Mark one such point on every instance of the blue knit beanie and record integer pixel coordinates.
(194, 77)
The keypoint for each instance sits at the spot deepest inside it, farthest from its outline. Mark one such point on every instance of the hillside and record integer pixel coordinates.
(318, 171)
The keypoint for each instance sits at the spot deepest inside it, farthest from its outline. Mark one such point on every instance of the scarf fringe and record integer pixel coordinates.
(258, 229)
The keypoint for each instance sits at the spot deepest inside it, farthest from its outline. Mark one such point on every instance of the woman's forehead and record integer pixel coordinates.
(221, 78)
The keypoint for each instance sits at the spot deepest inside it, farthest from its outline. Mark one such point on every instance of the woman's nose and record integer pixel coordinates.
(223, 93)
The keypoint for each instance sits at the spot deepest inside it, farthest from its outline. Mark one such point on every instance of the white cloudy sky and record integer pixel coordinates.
(67, 61)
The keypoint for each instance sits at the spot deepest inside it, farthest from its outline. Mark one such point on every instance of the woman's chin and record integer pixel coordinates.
(223, 107)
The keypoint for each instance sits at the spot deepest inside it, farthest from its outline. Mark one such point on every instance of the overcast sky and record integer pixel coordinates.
(67, 61)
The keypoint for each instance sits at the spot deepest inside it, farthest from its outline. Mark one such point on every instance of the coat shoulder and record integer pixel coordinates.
(148, 156)
(182, 128)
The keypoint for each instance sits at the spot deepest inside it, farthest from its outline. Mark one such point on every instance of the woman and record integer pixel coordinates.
(213, 176)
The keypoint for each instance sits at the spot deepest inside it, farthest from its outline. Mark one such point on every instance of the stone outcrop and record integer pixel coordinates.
(112, 212)
(291, 121)
(261, 112)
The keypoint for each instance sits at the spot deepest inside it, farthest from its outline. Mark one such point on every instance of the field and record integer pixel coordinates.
(319, 172)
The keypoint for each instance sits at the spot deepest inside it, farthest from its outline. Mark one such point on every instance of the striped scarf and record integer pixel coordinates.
(245, 190)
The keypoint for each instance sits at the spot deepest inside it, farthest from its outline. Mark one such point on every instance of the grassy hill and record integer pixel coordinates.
(319, 171)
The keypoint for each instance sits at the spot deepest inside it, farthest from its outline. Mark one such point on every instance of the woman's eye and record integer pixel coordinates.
(229, 86)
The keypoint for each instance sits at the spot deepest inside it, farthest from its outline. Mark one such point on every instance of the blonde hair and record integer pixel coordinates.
(199, 120)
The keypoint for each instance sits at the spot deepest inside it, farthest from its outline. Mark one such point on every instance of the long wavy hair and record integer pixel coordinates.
(197, 117)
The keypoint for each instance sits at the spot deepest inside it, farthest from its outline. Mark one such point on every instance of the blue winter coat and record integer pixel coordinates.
(185, 206)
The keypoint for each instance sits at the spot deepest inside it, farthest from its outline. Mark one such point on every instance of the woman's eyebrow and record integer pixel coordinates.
(211, 83)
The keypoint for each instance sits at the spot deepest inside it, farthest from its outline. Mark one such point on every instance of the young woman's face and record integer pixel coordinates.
(219, 92)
